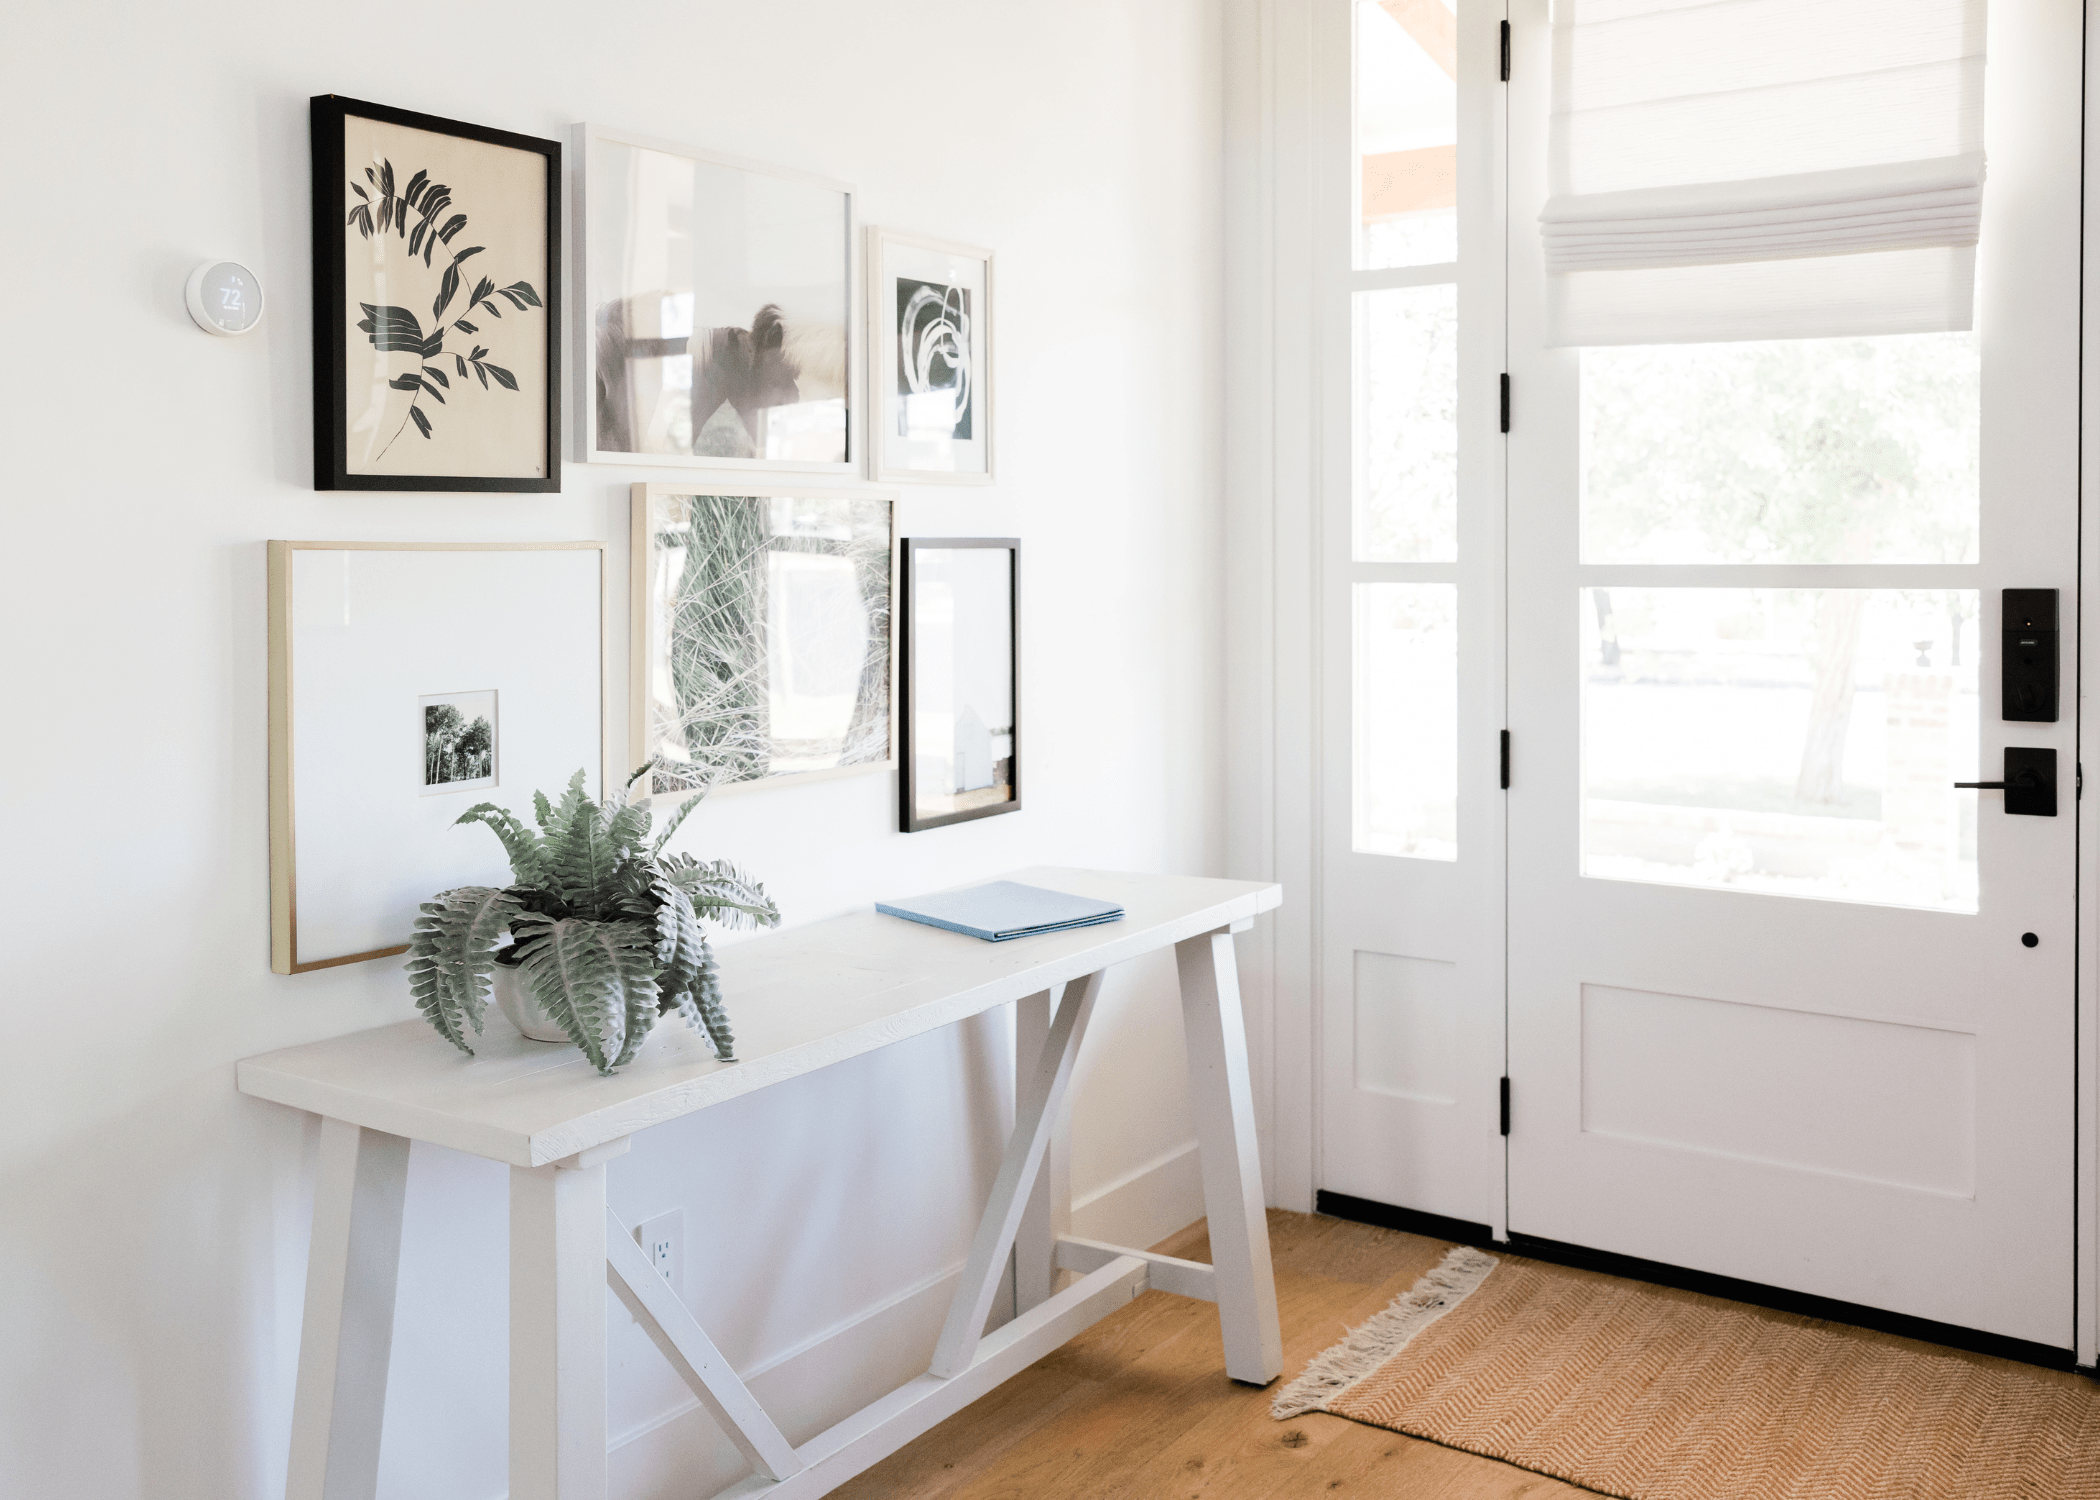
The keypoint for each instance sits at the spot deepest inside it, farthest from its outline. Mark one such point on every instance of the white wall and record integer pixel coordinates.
(153, 1235)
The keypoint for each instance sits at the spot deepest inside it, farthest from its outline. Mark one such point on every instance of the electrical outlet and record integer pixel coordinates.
(663, 1240)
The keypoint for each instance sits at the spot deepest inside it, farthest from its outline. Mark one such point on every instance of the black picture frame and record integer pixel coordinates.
(332, 326)
(909, 636)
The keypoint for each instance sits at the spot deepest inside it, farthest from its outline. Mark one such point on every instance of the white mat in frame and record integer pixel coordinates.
(365, 637)
(929, 359)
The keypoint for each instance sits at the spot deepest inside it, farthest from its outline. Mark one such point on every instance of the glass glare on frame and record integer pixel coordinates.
(1856, 450)
(1405, 713)
(1793, 742)
(962, 675)
(1406, 427)
(1406, 133)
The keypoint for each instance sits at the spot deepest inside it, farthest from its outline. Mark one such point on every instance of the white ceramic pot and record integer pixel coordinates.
(521, 1010)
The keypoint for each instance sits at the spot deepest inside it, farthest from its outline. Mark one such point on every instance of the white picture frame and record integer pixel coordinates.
(365, 638)
(946, 303)
(774, 329)
(823, 523)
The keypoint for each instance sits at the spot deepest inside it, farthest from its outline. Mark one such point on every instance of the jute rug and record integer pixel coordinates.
(1650, 1394)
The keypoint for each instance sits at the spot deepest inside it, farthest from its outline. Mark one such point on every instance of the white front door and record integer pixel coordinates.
(1784, 1005)
(1411, 551)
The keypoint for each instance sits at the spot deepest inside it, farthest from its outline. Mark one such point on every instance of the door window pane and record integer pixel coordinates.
(1406, 718)
(1407, 425)
(1407, 132)
(1797, 742)
(1797, 451)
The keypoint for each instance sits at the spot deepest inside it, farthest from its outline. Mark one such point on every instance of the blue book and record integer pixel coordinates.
(1003, 909)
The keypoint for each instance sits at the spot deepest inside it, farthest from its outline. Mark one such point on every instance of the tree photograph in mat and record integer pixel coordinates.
(717, 296)
(410, 680)
(930, 345)
(436, 303)
(961, 679)
(761, 642)
(459, 741)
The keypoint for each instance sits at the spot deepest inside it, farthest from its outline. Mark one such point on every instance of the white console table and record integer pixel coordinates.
(800, 1000)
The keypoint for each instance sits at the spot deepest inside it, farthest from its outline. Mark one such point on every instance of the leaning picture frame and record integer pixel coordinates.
(930, 377)
(437, 303)
(959, 665)
(717, 310)
(761, 629)
(410, 681)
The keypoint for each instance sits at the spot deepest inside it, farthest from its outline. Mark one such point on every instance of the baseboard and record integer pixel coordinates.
(1409, 1220)
(1144, 1206)
(833, 1374)
(1925, 1330)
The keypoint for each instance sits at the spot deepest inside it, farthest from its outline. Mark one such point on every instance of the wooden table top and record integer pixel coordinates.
(799, 1000)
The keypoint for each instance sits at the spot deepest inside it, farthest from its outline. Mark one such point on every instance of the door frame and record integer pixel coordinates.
(2086, 1306)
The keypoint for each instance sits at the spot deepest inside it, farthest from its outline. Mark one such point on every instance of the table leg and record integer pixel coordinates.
(1047, 1214)
(557, 1332)
(348, 1331)
(1231, 1157)
(1034, 1114)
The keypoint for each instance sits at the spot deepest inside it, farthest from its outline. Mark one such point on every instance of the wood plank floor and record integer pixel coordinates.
(1139, 1405)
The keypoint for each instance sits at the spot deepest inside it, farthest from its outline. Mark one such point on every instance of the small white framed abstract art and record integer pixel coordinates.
(761, 634)
(716, 317)
(408, 682)
(930, 359)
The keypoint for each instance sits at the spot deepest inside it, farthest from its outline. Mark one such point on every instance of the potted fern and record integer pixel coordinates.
(597, 935)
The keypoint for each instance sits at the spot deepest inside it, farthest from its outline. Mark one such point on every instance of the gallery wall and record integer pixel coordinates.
(152, 1251)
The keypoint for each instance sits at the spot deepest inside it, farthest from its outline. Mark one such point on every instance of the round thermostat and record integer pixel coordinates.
(224, 297)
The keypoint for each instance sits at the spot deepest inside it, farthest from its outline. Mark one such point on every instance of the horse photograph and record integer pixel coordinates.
(719, 303)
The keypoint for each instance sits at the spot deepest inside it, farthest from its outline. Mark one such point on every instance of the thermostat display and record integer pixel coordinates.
(224, 297)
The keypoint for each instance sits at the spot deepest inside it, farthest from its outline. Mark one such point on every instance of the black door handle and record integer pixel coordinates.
(2029, 784)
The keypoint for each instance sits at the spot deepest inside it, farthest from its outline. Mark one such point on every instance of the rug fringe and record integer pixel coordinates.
(1367, 1347)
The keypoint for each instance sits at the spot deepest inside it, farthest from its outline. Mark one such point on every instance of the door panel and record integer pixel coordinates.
(1411, 565)
(1771, 1014)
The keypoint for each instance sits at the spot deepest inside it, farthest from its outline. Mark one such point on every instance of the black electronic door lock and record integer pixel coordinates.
(2029, 784)
(2030, 666)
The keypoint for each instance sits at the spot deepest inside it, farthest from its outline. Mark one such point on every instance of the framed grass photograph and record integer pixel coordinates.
(761, 634)
(715, 312)
(410, 681)
(961, 666)
(437, 303)
(930, 359)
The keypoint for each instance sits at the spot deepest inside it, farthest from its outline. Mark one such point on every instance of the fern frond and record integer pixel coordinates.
(451, 958)
(592, 978)
(720, 890)
(685, 810)
(628, 828)
(584, 861)
(526, 849)
(544, 811)
(679, 944)
(707, 996)
(638, 773)
(572, 799)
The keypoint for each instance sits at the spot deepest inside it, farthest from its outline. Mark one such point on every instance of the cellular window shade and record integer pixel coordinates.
(1762, 169)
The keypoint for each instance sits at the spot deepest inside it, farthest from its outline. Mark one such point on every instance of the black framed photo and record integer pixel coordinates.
(437, 303)
(960, 675)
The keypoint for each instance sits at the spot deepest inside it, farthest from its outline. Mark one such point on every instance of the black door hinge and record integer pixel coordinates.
(1505, 1106)
(1505, 51)
(1505, 403)
(1505, 760)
